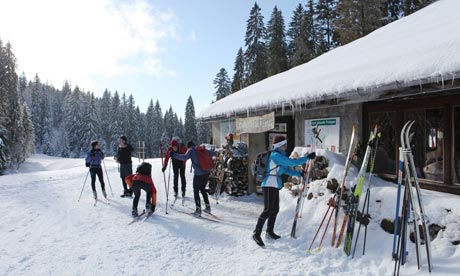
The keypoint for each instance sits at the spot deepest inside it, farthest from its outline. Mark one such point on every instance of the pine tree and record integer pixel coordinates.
(256, 52)
(159, 129)
(393, 10)
(238, 75)
(204, 132)
(105, 117)
(90, 121)
(356, 19)
(411, 6)
(325, 15)
(303, 45)
(138, 126)
(72, 124)
(222, 84)
(130, 122)
(169, 123)
(116, 124)
(149, 129)
(277, 47)
(190, 122)
(293, 33)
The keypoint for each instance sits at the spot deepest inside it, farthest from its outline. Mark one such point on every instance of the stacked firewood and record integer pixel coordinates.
(230, 172)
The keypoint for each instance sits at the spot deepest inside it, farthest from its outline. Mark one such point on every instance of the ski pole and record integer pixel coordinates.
(108, 180)
(164, 177)
(321, 224)
(84, 183)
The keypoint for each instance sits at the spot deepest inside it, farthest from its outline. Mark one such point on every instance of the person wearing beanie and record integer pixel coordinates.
(93, 160)
(278, 164)
(200, 175)
(177, 165)
(123, 157)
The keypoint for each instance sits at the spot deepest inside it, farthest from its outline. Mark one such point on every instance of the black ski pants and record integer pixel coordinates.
(271, 209)
(125, 170)
(199, 185)
(136, 188)
(100, 175)
(179, 170)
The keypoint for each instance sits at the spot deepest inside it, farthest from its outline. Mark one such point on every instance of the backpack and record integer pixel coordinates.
(204, 158)
(259, 166)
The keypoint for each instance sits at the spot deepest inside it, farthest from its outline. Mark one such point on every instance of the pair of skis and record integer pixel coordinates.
(412, 204)
(306, 178)
(335, 200)
(142, 217)
(106, 201)
(204, 215)
(352, 206)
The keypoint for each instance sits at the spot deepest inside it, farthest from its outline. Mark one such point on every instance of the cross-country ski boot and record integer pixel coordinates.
(95, 195)
(134, 213)
(272, 235)
(256, 237)
(197, 212)
(207, 209)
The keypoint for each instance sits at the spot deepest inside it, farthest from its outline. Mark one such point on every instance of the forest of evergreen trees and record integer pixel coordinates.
(37, 117)
(66, 120)
(316, 27)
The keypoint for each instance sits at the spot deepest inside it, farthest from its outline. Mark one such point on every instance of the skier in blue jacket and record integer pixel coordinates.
(94, 158)
(200, 177)
(278, 164)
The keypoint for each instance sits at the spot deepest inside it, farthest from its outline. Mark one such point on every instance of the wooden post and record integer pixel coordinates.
(141, 151)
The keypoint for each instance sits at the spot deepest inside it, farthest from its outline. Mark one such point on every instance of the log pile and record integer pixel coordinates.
(230, 173)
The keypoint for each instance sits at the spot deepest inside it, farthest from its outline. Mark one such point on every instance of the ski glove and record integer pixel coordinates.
(87, 165)
(311, 155)
(163, 169)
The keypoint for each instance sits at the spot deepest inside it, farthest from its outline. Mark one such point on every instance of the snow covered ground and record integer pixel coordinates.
(45, 231)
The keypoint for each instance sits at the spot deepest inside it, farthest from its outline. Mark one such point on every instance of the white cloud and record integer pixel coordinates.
(83, 39)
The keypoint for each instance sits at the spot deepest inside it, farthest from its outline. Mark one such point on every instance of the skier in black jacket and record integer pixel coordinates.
(123, 157)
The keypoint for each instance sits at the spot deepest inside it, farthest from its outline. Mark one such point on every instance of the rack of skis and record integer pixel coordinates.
(409, 205)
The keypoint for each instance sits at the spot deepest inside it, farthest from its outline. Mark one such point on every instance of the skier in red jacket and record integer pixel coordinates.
(142, 180)
(178, 166)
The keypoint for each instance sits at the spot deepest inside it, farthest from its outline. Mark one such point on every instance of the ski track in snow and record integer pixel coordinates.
(45, 231)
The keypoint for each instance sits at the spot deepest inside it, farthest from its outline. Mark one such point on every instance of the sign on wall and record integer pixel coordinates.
(256, 124)
(323, 133)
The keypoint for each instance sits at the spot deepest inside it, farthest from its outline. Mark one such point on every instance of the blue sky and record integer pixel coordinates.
(153, 49)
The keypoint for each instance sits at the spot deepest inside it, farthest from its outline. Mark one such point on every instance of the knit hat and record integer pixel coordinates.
(124, 138)
(279, 141)
(94, 143)
(190, 144)
(174, 143)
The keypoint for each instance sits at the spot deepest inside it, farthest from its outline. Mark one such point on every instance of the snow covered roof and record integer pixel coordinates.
(422, 46)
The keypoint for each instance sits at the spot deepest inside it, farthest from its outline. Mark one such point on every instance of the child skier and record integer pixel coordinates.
(94, 157)
(142, 180)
